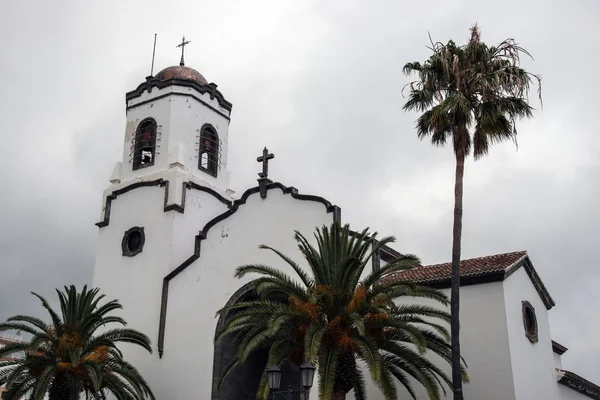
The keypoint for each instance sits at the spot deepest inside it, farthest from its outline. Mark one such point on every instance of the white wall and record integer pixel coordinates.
(160, 110)
(185, 371)
(136, 281)
(179, 118)
(557, 361)
(187, 116)
(484, 342)
(532, 363)
(200, 208)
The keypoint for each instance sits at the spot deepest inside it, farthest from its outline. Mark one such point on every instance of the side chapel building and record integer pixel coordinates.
(171, 233)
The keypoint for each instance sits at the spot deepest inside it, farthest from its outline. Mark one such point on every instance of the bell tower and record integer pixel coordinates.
(176, 121)
(171, 181)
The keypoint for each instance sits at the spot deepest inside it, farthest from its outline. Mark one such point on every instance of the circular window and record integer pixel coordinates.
(530, 322)
(133, 241)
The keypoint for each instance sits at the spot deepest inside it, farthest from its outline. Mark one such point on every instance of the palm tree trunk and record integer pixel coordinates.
(455, 280)
(338, 395)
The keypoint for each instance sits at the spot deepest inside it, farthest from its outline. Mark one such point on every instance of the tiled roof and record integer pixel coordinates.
(5, 340)
(474, 271)
(472, 267)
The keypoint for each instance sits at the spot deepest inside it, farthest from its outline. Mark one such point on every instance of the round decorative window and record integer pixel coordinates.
(133, 241)
(530, 322)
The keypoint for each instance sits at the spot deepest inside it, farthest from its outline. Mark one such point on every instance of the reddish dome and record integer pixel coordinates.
(181, 72)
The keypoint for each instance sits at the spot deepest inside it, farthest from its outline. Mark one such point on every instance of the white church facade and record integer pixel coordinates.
(171, 233)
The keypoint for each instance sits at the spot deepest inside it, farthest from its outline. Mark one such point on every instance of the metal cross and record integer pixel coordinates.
(264, 159)
(182, 45)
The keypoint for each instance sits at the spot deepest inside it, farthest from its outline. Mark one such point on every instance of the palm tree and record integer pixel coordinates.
(332, 317)
(68, 358)
(470, 95)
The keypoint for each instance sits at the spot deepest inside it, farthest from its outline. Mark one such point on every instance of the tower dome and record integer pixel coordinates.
(183, 73)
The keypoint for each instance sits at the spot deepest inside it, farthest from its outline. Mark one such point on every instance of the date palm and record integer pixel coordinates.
(69, 357)
(335, 313)
(469, 96)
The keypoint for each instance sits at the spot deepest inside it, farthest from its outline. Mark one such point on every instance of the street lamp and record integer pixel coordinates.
(307, 373)
(274, 377)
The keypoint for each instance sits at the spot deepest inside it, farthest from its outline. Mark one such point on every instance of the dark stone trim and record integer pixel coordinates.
(167, 207)
(193, 185)
(162, 96)
(203, 234)
(121, 191)
(376, 258)
(125, 241)
(558, 348)
(465, 280)
(337, 215)
(388, 254)
(530, 331)
(579, 384)
(262, 186)
(210, 88)
(218, 355)
(539, 285)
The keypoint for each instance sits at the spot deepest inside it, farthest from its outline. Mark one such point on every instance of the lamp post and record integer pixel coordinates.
(307, 374)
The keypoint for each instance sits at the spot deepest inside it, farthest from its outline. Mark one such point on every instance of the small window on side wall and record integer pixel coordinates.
(209, 150)
(530, 322)
(145, 144)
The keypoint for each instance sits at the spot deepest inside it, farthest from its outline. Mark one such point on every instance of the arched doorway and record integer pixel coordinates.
(242, 383)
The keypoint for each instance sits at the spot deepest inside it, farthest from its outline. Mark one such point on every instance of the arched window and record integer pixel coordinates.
(145, 144)
(209, 150)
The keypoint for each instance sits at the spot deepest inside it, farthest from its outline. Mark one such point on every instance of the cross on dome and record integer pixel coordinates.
(182, 45)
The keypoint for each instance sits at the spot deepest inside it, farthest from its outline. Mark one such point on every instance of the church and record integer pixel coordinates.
(172, 232)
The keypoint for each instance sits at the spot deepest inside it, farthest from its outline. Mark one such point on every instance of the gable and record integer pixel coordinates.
(474, 271)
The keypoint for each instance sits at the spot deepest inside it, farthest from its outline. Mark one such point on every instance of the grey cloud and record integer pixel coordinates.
(319, 84)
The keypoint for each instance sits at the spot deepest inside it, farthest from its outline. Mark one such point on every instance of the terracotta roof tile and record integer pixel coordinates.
(5, 340)
(481, 266)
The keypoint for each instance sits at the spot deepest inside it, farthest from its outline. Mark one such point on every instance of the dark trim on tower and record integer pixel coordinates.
(204, 232)
(210, 88)
(558, 348)
(193, 185)
(123, 190)
(167, 207)
(162, 96)
(578, 384)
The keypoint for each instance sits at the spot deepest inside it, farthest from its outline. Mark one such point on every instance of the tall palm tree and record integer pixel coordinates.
(68, 357)
(470, 95)
(333, 317)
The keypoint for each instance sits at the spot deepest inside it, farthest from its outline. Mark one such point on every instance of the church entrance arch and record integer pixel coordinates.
(242, 383)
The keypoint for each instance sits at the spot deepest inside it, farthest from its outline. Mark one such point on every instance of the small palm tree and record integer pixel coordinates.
(66, 358)
(332, 317)
(470, 96)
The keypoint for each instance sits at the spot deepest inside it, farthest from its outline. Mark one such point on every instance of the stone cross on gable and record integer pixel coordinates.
(264, 159)
(263, 179)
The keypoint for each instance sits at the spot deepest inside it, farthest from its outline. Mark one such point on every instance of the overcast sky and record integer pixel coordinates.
(319, 83)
